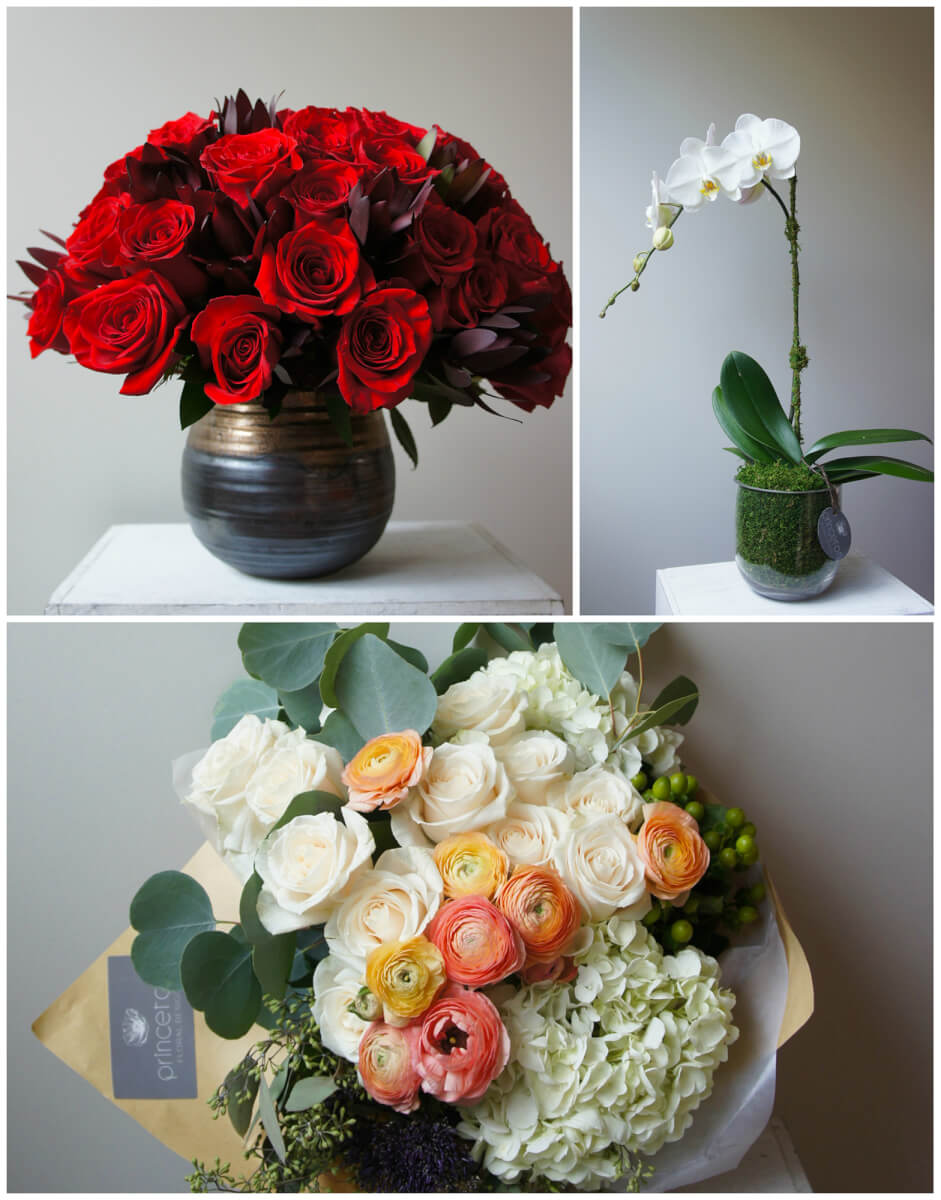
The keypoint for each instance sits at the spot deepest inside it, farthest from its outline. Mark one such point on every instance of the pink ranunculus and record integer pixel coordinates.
(462, 1046)
(387, 1057)
(562, 970)
(478, 944)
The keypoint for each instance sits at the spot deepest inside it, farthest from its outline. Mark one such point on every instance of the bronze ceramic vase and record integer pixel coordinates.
(287, 498)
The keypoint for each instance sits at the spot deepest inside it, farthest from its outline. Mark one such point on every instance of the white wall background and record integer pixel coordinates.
(657, 487)
(81, 457)
(821, 732)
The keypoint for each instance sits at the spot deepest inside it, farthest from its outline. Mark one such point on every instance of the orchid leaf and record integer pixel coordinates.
(751, 400)
(730, 427)
(880, 465)
(862, 437)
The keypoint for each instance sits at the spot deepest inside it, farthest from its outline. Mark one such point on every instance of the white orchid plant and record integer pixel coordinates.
(758, 156)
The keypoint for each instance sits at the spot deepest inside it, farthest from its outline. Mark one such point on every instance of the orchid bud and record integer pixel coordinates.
(635, 284)
(663, 238)
(638, 262)
(366, 1005)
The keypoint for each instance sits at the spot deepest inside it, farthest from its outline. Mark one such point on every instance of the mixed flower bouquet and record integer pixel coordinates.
(261, 249)
(479, 917)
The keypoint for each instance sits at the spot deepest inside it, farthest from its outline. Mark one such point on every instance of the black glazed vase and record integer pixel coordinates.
(287, 498)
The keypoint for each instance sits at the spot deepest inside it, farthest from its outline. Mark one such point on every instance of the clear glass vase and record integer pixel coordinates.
(777, 549)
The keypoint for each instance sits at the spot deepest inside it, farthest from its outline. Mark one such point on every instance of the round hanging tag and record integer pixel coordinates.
(833, 533)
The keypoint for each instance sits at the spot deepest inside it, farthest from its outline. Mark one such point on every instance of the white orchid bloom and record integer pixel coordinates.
(763, 149)
(702, 171)
(658, 213)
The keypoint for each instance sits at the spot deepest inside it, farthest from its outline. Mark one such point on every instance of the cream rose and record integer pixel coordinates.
(600, 863)
(464, 788)
(534, 761)
(306, 867)
(392, 903)
(336, 987)
(528, 833)
(295, 764)
(598, 792)
(486, 703)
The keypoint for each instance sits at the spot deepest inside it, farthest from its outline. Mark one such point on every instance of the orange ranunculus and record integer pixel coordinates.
(478, 944)
(542, 910)
(406, 977)
(381, 773)
(675, 857)
(471, 865)
(387, 1057)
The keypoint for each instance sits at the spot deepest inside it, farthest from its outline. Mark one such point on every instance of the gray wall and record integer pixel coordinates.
(81, 457)
(857, 84)
(821, 732)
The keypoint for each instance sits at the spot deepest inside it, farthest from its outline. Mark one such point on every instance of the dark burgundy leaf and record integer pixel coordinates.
(460, 377)
(52, 237)
(472, 341)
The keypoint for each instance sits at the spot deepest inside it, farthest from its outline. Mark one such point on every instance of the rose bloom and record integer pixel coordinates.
(600, 862)
(405, 977)
(337, 986)
(598, 792)
(381, 773)
(470, 865)
(396, 154)
(315, 272)
(528, 833)
(247, 165)
(295, 764)
(534, 761)
(155, 230)
(464, 788)
(130, 325)
(321, 188)
(487, 703)
(94, 242)
(447, 243)
(478, 944)
(47, 306)
(237, 336)
(674, 855)
(387, 1057)
(320, 131)
(462, 1046)
(181, 131)
(542, 910)
(382, 344)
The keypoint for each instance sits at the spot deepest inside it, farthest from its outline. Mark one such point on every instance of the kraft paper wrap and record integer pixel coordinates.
(76, 1029)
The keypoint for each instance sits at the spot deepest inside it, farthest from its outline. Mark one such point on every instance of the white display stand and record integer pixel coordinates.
(418, 568)
(861, 588)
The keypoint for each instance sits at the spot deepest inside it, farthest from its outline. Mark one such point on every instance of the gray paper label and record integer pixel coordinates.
(153, 1046)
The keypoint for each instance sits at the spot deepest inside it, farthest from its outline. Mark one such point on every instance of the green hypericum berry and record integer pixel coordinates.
(713, 840)
(749, 828)
(751, 856)
(640, 781)
(691, 907)
(757, 893)
(744, 844)
(692, 783)
(735, 818)
(648, 795)
(661, 788)
(681, 931)
(728, 858)
(747, 915)
(695, 810)
(652, 917)
(678, 784)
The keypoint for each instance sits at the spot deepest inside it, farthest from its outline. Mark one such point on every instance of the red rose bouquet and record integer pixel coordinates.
(262, 249)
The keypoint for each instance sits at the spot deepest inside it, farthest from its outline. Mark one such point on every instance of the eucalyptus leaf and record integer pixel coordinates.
(336, 652)
(861, 437)
(308, 804)
(401, 429)
(508, 637)
(168, 911)
(751, 399)
(285, 656)
(458, 667)
(410, 654)
(381, 831)
(308, 1093)
(269, 1118)
(595, 661)
(217, 975)
(681, 686)
(248, 911)
(381, 693)
(241, 698)
(465, 634)
(240, 1111)
(632, 635)
(339, 732)
(271, 962)
(304, 706)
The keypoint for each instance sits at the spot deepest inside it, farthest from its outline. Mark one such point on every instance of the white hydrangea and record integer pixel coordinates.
(657, 746)
(617, 1060)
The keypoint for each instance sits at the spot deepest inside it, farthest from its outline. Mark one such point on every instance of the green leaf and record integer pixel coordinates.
(381, 831)
(507, 637)
(881, 465)
(410, 654)
(593, 659)
(465, 634)
(861, 437)
(240, 1111)
(659, 716)
(735, 450)
(632, 635)
(217, 975)
(381, 693)
(269, 1118)
(248, 911)
(304, 707)
(285, 656)
(438, 409)
(731, 428)
(194, 403)
(340, 416)
(243, 697)
(336, 652)
(167, 912)
(308, 1093)
(271, 962)
(340, 733)
(458, 667)
(751, 399)
(681, 686)
(427, 143)
(404, 434)
(308, 804)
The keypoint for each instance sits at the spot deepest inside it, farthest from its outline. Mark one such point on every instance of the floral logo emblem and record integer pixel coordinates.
(134, 1028)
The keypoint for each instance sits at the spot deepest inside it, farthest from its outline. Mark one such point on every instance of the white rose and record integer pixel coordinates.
(489, 704)
(464, 788)
(391, 903)
(336, 986)
(306, 867)
(534, 761)
(528, 833)
(598, 792)
(600, 863)
(295, 764)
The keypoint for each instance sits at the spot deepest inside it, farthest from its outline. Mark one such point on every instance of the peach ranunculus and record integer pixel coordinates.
(462, 1046)
(406, 977)
(380, 774)
(471, 865)
(387, 1057)
(542, 910)
(562, 970)
(674, 855)
(478, 944)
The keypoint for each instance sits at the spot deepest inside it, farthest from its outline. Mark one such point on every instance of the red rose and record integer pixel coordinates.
(249, 166)
(45, 322)
(481, 291)
(537, 384)
(393, 152)
(315, 272)
(320, 131)
(447, 243)
(181, 131)
(383, 342)
(128, 325)
(155, 230)
(380, 124)
(237, 337)
(94, 242)
(322, 187)
(511, 236)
